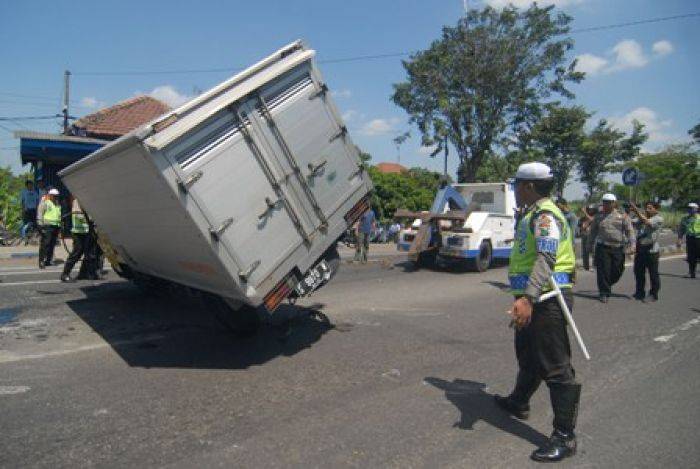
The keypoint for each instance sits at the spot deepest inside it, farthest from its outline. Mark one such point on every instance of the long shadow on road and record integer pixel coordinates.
(181, 333)
(475, 404)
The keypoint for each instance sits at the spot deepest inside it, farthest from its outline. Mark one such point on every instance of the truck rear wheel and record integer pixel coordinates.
(484, 258)
(243, 321)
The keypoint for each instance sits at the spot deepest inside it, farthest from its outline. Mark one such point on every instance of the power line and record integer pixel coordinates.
(27, 118)
(372, 56)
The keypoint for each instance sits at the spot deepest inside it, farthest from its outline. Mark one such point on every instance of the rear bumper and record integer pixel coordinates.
(500, 253)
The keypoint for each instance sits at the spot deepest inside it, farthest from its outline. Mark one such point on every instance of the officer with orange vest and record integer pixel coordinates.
(543, 248)
(48, 219)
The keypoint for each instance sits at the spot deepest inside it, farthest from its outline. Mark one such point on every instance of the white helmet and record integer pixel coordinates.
(53, 192)
(609, 197)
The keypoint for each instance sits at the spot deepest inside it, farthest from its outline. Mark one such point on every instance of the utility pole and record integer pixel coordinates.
(66, 99)
(444, 172)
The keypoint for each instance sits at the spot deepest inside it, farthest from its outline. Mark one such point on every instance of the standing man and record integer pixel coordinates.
(690, 228)
(612, 233)
(48, 220)
(41, 188)
(29, 198)
(79, 232)
(543, 247)
(365, 226)
(570, 216)
(646, 257)
(585, 233)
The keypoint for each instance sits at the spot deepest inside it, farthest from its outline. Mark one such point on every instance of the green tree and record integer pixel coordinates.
(602, 149)
(10, 204)
(484, 77)
(499, 168)
(669, 174)
(557, 137)
(414, 190)
(695, 133)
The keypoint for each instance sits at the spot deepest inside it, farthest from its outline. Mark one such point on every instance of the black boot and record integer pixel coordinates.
(518, 402)
(562, 443)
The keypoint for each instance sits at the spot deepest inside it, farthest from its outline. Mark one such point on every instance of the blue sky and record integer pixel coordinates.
(648, 72)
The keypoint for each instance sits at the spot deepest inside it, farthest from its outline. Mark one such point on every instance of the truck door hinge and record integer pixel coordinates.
(322, 90)
(271, 204)
(316, 168)
(342, 132)
(216, 233)
(244, 275)
(191, 179)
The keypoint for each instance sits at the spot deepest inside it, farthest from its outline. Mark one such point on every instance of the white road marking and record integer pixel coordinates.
(8, 390)
(6, 357)
(664, 338)
(674, 332)
(29, 282)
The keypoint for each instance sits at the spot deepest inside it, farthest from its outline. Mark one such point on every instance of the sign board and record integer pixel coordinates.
(630, 177)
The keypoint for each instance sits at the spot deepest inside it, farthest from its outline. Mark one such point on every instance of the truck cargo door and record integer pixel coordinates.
(311, 145)
(222, 170)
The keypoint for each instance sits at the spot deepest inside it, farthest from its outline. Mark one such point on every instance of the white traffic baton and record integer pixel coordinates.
(567, 314)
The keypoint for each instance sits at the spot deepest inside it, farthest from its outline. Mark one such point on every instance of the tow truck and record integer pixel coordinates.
(469, 223)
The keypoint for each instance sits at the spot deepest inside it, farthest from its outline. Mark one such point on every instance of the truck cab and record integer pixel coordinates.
(488, 229)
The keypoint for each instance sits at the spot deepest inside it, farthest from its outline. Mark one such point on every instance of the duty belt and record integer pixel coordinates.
(519, 281)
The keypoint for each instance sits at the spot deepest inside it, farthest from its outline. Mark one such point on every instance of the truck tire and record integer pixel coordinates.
(243, 322)
(332, 257)
(427, 259)
(484, 258)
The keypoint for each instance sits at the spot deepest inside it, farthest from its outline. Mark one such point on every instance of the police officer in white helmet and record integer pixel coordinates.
(543, 249)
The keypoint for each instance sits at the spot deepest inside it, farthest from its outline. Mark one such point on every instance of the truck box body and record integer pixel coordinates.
(234, 191)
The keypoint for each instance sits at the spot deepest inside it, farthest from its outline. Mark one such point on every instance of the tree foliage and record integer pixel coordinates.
(414, 190)
(602, 149)
(669, 174)
(485, 79)
(695, 133)
(10, 205)
(558, 137)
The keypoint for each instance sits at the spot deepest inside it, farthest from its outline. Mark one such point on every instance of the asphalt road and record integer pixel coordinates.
(385, 367)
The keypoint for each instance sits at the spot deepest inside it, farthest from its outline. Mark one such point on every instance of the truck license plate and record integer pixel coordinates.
(314, 278)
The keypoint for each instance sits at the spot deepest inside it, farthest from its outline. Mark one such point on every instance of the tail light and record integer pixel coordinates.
(278, 294)
(356, 212)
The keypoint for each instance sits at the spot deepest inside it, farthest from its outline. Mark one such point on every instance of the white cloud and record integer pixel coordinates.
(169, 95)
(350, 115)
(341, 94)
(661, 48)
(628, 54)
(90, 102)
(499, 4)
(590, 64)
(625, 55)
(377, 127)
(657, 128)
(427, 150)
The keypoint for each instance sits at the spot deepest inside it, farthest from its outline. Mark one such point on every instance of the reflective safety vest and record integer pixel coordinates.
(524, 252)
(80, 225)
(693, 228)
(52, 214)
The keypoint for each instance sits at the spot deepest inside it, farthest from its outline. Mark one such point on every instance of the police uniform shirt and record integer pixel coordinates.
(613, 229)
(547, 233)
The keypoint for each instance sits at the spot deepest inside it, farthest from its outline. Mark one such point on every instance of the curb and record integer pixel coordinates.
(19, 255)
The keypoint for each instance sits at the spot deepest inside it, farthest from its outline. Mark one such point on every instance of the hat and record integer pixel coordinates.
(534, 171)
(692, 205)
(53, 192)
(609, 197)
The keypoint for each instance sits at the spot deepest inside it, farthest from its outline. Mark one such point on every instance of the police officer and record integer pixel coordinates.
(612, 233)
(48, 218)
(543, 247)
(79, 231)
(690, 228)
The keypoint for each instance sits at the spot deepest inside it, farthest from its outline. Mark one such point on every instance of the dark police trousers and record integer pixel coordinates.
(79, 242)
(643, 261)
(542, 347)
(693, 253)
(609, 264)
(49, 236)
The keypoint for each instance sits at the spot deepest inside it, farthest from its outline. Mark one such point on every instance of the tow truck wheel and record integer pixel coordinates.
(483, 260)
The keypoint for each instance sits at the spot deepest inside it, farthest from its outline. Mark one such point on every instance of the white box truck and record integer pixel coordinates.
(242, 192)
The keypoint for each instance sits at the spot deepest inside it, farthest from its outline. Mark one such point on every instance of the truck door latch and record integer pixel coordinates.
(271, 204)
(317, 167)
(191, 179)
(244, 275)
(216, 233)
